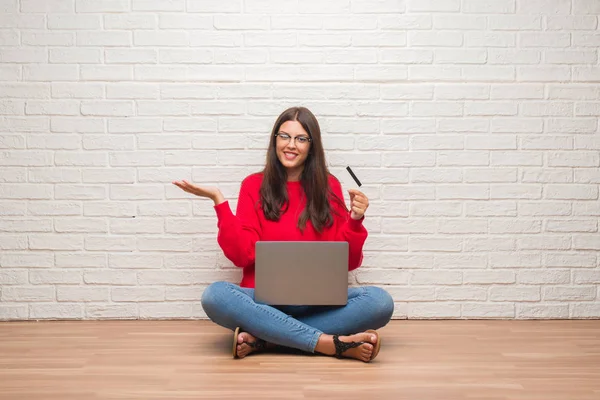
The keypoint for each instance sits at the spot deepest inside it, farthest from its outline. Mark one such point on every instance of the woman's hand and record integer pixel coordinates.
(212, 193)
(358, 204)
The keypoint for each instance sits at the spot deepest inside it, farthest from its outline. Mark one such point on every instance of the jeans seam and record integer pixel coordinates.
(316, 333)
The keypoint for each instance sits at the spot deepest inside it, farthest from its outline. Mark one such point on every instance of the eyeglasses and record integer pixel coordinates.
(302, 140)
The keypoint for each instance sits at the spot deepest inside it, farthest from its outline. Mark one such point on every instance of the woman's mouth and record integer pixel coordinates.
(290, 156)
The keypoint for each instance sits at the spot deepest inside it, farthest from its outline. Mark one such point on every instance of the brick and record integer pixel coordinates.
(55, 311)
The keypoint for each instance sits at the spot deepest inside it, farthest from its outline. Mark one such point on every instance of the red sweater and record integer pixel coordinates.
(239, 233)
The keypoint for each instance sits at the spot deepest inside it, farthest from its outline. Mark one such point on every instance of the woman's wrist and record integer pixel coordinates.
(218, 199)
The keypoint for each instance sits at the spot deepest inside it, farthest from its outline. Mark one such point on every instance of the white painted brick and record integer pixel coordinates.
(534, 277)
(577, 125)
(528, 192)
(544, 242)
(488, 73)
(54, 142)
(135, 261)
(559, 7)
(461, 293)
(543, 109)
(79, 192)
(104, 38)
(13, 312)
(487, 245)
(10, 208)
(160, 209)
(435, 142)
(13, 175)
(546, 143)
(13, 277)
(467, 56)
(587, 175)
(155, 5)
(544, 39)
(55, 311)
(542, 311)
(566, 293)
(131, 21)
(515, 293)
(433, 310)
(28, 294)
(522, 158)
(586, 277)
(81, 293)
(433, 5)
(37, 38)
(77, 125)
(111, 311)
(489, 6)
(581, 260)
(462, 158)
(73, 21)
(490, 175)
(573, 159)
(486, 277)
(460, 226)
(491, 40)
(107, 108)
(435, 175)
(50, 73)
(136, 192)
(62, 277)
(585, 7)
(163, 244)
(586, 74)
(80, 260)
(434, 73)
(574, 91)
(490, 108)
(515, 22)
(571, 226)
(434, 244)
(586, 208)
(23, 55)
(91, 6)
(441, 39)
(24, 124)
(110, 243)
(546, 175)
(544, 208)
(543, 74)
(54, 208)
(382, 109)
(498, 226)
(137, 294)
(138, 225)
(574, 22)
(25, 90)
(406, 56)
(491, 209)
(11, 107)
(26, 225)
(77, 90)
(453, 192)
(105, 73)
(65, 107)
(26, 191)
(13, 242)
(82, 225)
(586, 242)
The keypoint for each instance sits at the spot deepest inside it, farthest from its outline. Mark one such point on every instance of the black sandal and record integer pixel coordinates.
(258, 345)
(341, 347)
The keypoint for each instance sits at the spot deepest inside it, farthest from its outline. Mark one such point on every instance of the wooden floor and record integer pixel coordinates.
(419, 360)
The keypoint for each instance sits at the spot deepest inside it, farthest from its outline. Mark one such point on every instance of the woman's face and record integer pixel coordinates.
(292, 145)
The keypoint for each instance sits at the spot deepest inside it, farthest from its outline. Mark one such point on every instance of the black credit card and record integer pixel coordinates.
(353, 176)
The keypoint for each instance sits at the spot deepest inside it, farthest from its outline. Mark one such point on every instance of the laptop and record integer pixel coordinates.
(301, 273)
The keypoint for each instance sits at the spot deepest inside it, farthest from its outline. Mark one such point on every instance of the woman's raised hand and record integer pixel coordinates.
(212, 193)
(358, 204)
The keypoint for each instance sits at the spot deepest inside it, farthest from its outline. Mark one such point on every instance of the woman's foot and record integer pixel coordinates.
(361, 346)
(247, 344)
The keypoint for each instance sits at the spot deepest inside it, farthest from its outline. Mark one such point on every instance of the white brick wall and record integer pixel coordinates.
(473, 125)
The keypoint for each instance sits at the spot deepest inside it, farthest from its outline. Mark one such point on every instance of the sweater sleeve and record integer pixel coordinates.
(239, 233)
(348, 229)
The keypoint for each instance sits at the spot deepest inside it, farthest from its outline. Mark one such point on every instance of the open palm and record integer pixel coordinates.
(201, 191)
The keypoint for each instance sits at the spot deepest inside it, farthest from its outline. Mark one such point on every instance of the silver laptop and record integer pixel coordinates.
(301, 273)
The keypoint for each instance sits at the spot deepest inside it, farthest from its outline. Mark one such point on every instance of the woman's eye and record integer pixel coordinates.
(302, 139)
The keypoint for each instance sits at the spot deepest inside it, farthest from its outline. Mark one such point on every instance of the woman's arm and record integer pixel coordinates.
(237, 233)
(350, 223)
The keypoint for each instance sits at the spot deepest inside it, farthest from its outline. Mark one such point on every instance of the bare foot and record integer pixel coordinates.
(246, 342)
(363, 352)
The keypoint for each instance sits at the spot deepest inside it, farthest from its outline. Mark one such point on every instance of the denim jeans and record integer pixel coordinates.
(298, 327)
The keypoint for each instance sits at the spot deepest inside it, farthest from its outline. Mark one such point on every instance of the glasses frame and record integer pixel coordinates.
(288, 138)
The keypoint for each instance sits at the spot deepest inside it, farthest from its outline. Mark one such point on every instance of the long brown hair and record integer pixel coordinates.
(314, 178)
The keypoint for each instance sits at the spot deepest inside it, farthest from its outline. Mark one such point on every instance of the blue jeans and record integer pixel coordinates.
(298, 327)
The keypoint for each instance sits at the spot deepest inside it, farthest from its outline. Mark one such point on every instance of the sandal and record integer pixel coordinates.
(341, 347)
(258, 345)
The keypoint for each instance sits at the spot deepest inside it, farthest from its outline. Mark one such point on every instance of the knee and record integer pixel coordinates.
(213, 296)
(383, 303)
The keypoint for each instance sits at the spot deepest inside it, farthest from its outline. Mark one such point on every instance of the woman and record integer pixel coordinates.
(295, 199)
